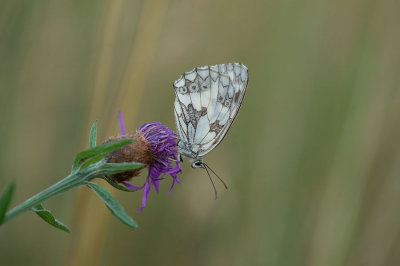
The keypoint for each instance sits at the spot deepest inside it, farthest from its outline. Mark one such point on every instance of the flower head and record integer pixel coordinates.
(155, 146)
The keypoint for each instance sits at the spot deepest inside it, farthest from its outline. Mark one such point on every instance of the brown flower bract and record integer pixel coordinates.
(138, 151)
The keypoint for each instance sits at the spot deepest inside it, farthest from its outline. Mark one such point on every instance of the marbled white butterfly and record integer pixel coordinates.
(207, 101)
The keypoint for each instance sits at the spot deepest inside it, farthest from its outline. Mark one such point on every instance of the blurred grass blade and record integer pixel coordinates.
(98, 152)
(116, 209)
(5, 200)
(49, 218)
(93, 135)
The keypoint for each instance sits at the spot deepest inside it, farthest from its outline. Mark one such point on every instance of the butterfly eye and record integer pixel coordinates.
(227, 103)
(193, 88)
(197, 164)
(182, 90)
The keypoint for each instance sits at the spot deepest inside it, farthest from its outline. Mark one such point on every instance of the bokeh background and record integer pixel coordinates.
(312, 160)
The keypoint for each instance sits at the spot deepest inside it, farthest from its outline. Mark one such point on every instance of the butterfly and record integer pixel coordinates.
(207, 100)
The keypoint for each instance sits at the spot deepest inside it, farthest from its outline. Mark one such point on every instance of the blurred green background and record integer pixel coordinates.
(312, 160)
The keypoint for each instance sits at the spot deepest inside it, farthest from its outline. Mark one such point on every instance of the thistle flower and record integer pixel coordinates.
(155, 146)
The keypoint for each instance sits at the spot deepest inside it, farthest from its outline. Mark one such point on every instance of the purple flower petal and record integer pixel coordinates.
(130, 186)
(121, 123)
(163, 146)
(164, 152)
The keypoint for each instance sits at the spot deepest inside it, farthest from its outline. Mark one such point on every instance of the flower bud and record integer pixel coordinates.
(155, 146)
(137, 151)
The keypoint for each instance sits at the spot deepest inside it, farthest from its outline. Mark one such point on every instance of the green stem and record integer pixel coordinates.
(78, 177)
(73, 180)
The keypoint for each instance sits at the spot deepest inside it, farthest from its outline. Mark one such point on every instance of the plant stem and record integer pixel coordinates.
(73, 180)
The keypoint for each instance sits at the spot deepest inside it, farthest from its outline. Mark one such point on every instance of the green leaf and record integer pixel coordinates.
(49, 218)
(117, 185)
(115, 168)
(93, 135)
(85, 163)
(116, 209)
(5, 200)
(98, 152)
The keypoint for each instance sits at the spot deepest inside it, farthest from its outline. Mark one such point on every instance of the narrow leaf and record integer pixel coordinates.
(99, 151)
(5, 200)
(93, 135)
(49, 218)
(115, 168)
(118, 186)
(91, 160)
(116, 209)
(103, 148)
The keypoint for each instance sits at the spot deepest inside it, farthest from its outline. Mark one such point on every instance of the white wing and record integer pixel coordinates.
(207, 100)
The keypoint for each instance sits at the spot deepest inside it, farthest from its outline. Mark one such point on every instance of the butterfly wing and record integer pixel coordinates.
(207, 101)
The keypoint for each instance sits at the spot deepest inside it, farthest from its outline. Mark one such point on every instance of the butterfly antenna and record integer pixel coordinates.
(212, 182)
(220, 179)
